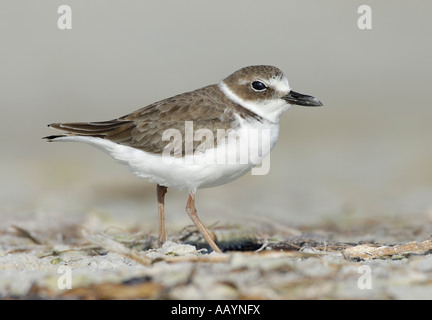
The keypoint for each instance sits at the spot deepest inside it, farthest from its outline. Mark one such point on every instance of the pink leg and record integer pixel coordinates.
(192, 213)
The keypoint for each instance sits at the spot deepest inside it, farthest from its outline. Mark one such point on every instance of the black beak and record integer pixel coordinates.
(301, 99)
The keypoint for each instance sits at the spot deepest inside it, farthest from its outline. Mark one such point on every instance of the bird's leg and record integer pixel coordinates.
(192, 213)
(160, 191)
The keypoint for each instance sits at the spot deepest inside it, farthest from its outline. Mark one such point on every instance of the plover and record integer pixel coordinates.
(174, 142)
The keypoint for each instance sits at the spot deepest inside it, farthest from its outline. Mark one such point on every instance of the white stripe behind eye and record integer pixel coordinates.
(270, 110)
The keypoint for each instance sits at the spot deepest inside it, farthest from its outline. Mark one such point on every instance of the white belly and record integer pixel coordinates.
(201, 169)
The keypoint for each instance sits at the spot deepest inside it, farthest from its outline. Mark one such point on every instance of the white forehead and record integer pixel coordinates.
(279, 84)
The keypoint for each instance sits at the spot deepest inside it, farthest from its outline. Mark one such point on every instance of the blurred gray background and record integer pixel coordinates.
(366, 155)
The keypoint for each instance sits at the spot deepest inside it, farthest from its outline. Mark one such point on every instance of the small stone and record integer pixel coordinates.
(176, 249)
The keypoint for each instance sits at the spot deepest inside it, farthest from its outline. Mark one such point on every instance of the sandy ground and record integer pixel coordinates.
(44, 259)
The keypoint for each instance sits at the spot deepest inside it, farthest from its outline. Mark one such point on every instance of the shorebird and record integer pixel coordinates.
(177, 142)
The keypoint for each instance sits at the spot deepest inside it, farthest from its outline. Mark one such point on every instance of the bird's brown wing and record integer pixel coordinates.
(143, 129)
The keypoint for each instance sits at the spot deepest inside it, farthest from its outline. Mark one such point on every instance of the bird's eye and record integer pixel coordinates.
(258, 86)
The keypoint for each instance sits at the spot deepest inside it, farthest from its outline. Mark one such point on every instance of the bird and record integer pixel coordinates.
(197, 139)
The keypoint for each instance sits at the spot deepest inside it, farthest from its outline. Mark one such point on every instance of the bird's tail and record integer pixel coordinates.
(102, 129)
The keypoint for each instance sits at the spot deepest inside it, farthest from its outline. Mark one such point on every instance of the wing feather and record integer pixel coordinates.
(143, 128)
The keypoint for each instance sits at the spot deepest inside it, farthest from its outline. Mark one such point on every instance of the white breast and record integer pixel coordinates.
(254, 141)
